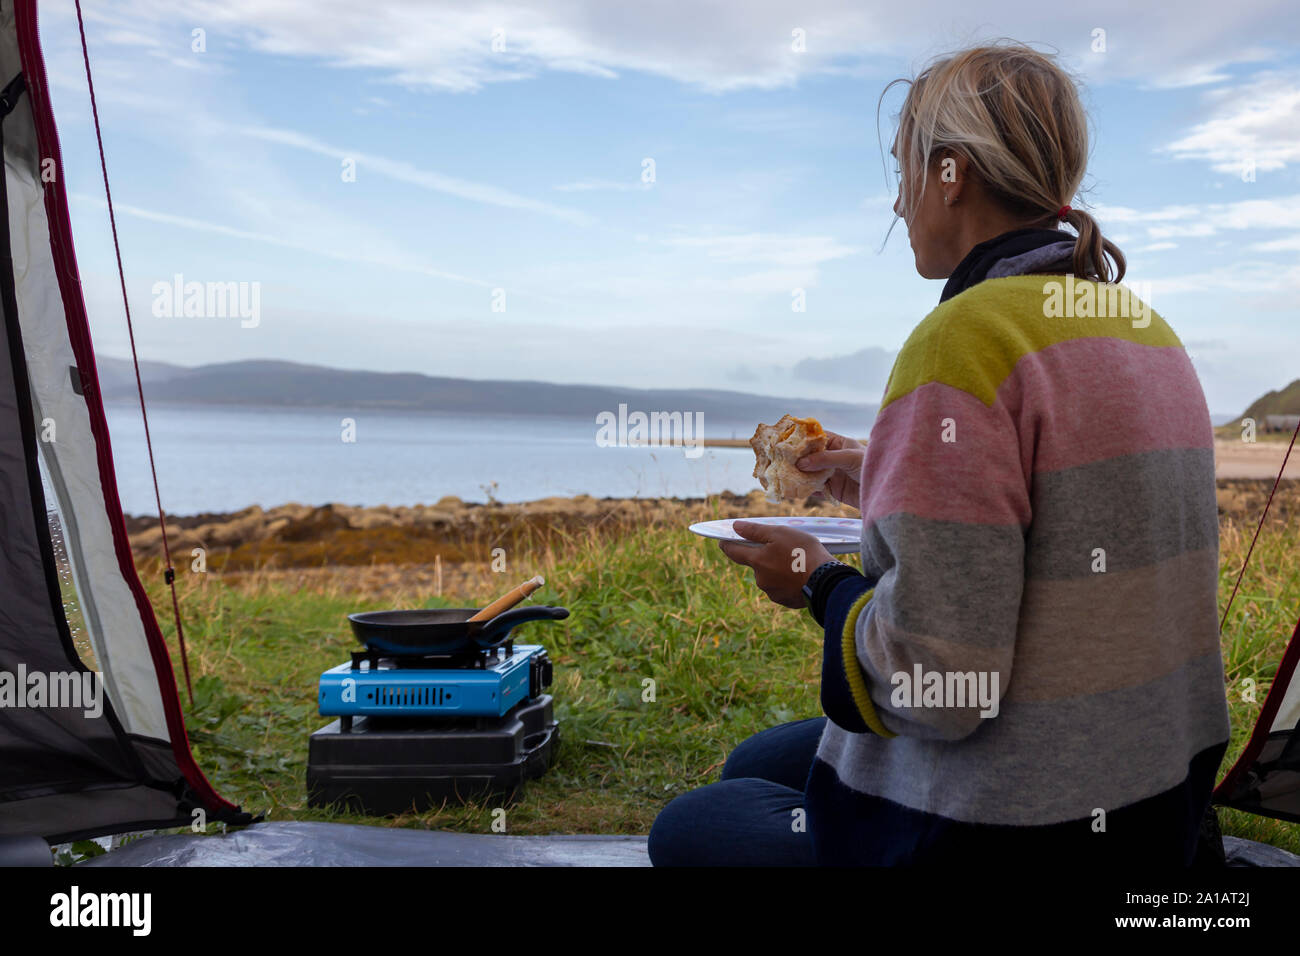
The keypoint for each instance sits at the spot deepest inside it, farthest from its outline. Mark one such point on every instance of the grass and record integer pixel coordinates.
(650, 603)
(1254, 637)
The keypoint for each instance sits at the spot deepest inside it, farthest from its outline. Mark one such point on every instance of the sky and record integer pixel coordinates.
(630, 194)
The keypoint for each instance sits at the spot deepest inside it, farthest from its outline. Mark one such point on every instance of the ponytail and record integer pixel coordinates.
(1092, 248)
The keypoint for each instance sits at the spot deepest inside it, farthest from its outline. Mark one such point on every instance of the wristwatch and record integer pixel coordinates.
(821, 576)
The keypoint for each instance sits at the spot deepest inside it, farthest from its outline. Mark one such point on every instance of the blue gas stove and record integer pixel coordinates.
(488, 684)
(416, 731)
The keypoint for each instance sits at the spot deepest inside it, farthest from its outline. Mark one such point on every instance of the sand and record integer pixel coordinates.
(1238, 459)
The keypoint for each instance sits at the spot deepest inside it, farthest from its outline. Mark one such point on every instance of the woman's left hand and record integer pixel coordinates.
(783, 562)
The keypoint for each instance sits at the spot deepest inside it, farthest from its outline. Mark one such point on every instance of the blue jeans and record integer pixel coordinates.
(753, 815)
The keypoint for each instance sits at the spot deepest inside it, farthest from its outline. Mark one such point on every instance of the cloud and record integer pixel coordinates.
(602, 185)
(131, 38)
(857, 377)
(1270, 283)
(462, 45)
(784, 121)
(867, 369)
(756, 247)
(1289, 244)
(1249, 278)
(1203, 220)
(1129, 214)
(351, 254)
(413, 175)
(725, 265)
(766, 282)
(774, 264)
(1256, 122)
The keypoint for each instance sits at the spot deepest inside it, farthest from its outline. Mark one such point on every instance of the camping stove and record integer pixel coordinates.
(416, 731)
(481, 683)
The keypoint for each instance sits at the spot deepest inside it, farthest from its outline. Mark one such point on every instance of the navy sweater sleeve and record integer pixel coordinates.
(837, 699)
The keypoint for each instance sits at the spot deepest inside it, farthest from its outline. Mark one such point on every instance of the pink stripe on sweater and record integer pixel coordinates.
(1091, 399)
(976, 479)
(1070, 404)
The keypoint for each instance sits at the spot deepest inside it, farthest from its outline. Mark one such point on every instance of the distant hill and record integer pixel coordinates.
(273, 383)
(117, 375)
(1285, 402)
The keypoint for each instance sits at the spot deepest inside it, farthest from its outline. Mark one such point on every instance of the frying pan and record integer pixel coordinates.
(444, 630)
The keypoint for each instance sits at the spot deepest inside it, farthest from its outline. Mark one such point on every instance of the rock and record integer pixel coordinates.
(366, 519)
(321, 522)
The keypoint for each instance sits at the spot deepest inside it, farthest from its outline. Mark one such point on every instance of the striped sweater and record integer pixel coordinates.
(1039, 514)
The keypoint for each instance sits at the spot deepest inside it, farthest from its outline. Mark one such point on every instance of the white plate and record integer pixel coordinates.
(837, 535)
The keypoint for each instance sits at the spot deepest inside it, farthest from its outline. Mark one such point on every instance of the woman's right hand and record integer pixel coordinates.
(845, 455)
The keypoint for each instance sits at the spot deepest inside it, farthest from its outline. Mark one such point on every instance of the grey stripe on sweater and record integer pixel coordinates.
(1142, 509)
(1055, 760)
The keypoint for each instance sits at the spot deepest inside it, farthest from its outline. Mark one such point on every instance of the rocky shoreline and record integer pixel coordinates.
(297, 535)
(452, 530)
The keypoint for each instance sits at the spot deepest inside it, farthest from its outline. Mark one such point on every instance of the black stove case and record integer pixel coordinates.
(389, 765)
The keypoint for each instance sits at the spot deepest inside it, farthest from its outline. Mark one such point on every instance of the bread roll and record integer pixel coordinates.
(777, 448)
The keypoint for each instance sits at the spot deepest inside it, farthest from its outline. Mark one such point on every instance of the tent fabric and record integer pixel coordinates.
(1242, 853)
(339, 844)
(344, 844)
(67, 772)
(70, 460)
(1266, 777)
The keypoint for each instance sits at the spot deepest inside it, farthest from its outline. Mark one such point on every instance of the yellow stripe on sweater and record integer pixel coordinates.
(853, 670)
(974, 340)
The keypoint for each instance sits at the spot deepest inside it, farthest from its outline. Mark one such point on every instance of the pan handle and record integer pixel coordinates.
(497, 630)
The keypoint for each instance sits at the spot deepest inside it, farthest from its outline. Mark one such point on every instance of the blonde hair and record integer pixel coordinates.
(1015, 115)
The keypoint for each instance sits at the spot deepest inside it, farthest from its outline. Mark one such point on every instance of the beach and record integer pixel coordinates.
(1261, 459)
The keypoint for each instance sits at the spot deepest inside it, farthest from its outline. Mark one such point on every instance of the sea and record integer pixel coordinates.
(217, 458)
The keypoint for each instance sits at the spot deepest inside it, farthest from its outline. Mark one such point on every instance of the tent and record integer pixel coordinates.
(92, 737)
(1266, 777)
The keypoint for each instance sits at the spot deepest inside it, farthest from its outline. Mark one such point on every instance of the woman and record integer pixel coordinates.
(1027, 669)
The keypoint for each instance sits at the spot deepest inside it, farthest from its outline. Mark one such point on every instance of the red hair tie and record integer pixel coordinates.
(1062, 213)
